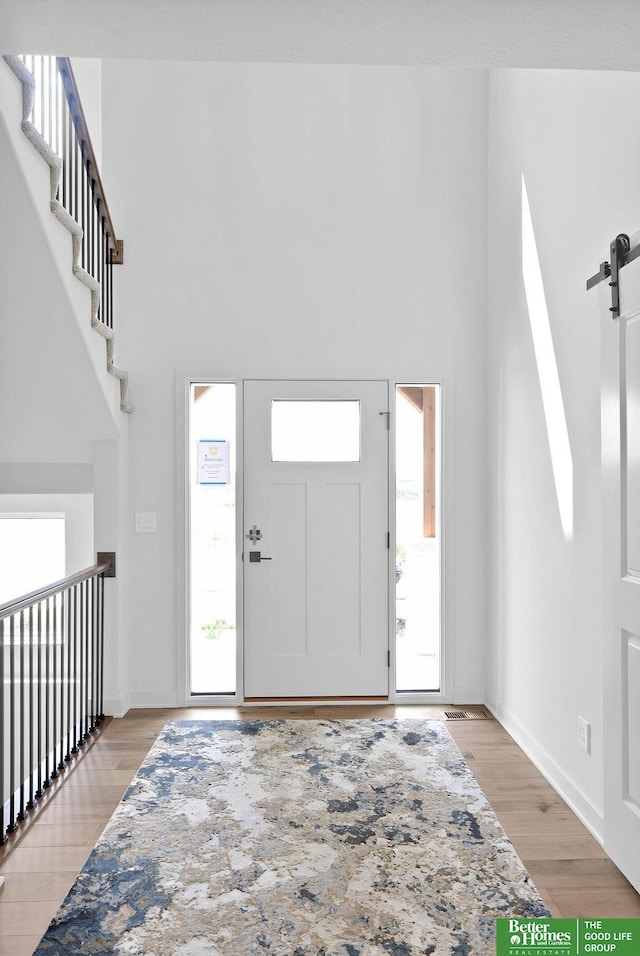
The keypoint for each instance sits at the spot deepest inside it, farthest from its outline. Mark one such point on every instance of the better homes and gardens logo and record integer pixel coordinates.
(567, 937)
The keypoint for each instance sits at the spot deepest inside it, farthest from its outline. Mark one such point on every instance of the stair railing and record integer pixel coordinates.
(58, 116)
(51, 685)
(54, 123)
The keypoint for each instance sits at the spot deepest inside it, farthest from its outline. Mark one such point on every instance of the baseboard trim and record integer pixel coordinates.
(581, 805)
(115, 707)
(145, 699)
(303, 701)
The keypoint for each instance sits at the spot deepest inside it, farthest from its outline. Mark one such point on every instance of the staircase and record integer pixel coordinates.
(54, 123)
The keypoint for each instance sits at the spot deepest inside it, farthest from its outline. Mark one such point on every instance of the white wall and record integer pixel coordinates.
(111, 513)
(571, 136)
(27, 478)
(88, 76)
(300, 221)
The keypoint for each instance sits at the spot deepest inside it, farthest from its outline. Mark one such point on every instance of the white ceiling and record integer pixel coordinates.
(573, 34)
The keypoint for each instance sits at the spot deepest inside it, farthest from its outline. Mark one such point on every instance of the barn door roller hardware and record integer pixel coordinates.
(620, 254)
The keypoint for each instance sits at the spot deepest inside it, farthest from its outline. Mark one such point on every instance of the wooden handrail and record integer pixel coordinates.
(34, 597)
(82, 132)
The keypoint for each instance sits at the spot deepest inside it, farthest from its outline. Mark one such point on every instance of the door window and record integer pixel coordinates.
(315, 430)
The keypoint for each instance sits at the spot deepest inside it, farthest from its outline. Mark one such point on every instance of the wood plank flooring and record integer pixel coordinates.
(568, 866)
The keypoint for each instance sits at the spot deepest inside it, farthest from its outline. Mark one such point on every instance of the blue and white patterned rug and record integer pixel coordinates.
(297, 838)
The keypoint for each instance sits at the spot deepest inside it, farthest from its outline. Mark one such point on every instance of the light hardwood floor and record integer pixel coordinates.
(569, 867)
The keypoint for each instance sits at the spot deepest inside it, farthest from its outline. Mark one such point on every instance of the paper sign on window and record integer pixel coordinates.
(213, 462)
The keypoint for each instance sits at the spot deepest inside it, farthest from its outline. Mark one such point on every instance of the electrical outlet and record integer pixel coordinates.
(584, 734)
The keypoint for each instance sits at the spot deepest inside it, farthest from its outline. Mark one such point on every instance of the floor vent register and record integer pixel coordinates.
(467, 715)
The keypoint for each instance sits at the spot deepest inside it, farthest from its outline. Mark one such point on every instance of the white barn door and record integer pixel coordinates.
(621, 562)
(316, 559)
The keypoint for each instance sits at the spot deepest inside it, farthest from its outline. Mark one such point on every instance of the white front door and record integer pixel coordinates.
(316, 559)
(621, 559)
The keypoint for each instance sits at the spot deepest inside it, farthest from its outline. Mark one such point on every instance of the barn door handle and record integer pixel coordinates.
(255, 556)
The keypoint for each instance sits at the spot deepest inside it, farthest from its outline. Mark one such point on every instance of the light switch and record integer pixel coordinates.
(145, 522)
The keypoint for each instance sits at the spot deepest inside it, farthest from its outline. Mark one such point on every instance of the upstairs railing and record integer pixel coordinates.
(51, 685)
(58, 116)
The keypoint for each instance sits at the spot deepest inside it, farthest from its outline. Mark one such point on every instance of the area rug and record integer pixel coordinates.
(297, 838)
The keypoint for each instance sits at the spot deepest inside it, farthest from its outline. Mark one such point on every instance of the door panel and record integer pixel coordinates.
(621, 564)
(316, 612)
(289, 590)
(631, 442)
(632, 706)
(343, 569)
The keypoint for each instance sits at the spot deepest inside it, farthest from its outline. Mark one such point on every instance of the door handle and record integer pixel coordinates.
(255, 556)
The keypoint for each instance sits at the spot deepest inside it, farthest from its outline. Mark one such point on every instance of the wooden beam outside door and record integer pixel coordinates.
(199, 392)
(429, 460)
(423, 400)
